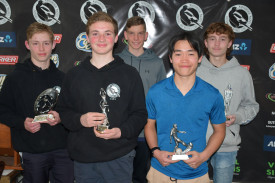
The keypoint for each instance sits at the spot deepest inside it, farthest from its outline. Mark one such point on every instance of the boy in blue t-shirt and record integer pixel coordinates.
(189, 102)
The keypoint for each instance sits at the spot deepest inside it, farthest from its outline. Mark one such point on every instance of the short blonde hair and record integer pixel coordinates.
(104, 17)
(38, 28)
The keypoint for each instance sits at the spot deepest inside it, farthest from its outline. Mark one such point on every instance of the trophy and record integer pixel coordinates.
(44, 103)
(228, 93)
(179, 154)
(104, 107)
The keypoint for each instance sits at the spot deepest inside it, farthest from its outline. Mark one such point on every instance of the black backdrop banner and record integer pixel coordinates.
(254, 47)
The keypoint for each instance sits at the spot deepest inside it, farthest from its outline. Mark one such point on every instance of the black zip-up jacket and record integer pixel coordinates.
(17, 97)
(81, 94)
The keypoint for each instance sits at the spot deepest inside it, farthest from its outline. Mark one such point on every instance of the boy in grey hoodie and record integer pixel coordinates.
(151, 70)
(235, 84)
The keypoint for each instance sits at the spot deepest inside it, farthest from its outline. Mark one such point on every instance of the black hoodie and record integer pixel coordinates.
(81, 94)
(17, 97)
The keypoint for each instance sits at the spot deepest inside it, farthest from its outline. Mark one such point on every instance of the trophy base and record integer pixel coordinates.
(180, 157)
(42, 118)
(101, 128)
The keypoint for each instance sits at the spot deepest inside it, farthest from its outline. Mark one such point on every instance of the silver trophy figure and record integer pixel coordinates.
(179, 154)
(228, 93)
(44, 103)
(104, 107)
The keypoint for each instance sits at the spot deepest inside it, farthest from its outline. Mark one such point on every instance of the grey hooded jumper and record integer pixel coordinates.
(243, 103)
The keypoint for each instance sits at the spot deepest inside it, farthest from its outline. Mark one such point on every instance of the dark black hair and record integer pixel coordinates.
(192, 39)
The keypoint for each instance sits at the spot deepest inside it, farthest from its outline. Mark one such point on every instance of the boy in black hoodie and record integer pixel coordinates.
(103, 88)
(43, 144)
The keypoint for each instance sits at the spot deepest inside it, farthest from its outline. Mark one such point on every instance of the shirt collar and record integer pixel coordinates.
(170, 85)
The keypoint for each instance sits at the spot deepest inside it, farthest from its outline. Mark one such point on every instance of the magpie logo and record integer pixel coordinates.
(89, 8)
(239, 17)
(142, 9)
(189, 17)
(46, 12)
(5, 12)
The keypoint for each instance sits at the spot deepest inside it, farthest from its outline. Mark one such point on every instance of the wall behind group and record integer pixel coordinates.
(254, 47)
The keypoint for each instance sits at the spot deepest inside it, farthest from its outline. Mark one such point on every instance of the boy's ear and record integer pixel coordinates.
(170, 60)
(54, 44)
(200, 59)
(125, 35)
(205, 43)
(27, 44)
(87, 38)
(116, 38)
(146, 36)
(229, 44)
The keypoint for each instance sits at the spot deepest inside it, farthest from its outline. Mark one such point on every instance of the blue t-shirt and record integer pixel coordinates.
(166, 104)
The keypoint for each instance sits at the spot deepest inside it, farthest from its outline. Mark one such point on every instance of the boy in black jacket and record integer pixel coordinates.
(103, 88)
(43, 144)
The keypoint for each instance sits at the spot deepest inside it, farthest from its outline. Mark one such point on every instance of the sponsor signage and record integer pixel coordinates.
(2, 78)
(270, 124)
(269, 143)
(246, 67)
(241, 47)
(8, 59)
(82, 44)
(270, 96)
(271, 72)
(272, 49)
(7, 39)
(57, 38)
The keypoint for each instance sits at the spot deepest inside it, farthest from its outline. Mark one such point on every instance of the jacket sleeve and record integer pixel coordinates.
(136, 111)
(248, 107)
(8, 111)
(70, 118)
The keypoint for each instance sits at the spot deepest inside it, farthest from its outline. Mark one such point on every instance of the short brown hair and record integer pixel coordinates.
(135, 20)
(38, 28)
(101, 16)
(220, 28)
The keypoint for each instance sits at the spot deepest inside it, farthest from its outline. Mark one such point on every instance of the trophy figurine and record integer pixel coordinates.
(103, 105)
(179, 154)
(44, 103)
(228, 93)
